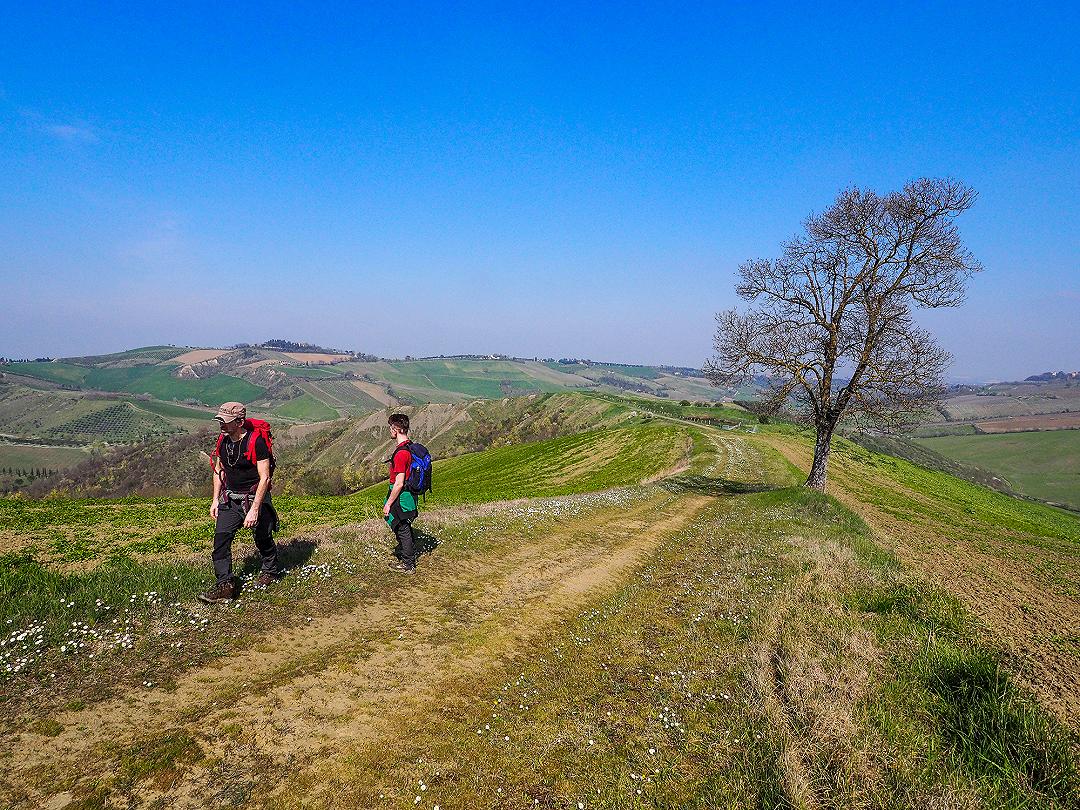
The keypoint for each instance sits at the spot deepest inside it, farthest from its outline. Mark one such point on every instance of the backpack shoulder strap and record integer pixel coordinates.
(393, 453)
(258, 432)
(217, 448)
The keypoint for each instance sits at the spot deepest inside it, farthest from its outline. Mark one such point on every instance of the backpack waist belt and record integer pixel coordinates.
(241, 497)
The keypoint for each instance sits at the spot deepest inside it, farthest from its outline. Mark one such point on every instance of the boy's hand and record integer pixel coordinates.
(252, 517)
(386, 509)
(213, 508)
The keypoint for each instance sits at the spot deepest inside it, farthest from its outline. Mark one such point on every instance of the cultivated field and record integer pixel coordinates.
(665, 622)
(1011, 424)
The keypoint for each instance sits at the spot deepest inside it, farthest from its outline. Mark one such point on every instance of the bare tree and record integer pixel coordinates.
(832, 326)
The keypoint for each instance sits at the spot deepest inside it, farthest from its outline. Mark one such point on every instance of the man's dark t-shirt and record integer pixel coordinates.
(240, 474)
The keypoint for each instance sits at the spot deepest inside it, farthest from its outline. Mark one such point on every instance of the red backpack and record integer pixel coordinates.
(257, 428)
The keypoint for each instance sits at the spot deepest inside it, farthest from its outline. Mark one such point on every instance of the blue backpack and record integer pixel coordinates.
(418, 478)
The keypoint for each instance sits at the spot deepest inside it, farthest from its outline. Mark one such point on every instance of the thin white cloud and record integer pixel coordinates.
(66, 131)
(72, 133)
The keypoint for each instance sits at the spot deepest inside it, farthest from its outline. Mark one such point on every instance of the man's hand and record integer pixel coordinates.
(214, 508)
(251, 517)
(386, 509)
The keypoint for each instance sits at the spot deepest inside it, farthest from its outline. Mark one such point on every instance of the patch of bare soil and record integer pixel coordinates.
(1014, 424)
(1000, 578)
(195, 356)
(318, 689)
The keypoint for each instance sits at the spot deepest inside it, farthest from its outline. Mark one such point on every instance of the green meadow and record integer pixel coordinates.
(664, 621)
(1040, 464)
(157, 381)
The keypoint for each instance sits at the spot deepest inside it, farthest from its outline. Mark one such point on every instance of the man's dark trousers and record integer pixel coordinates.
(230, 518)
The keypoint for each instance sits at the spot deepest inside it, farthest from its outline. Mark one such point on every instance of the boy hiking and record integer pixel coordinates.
(400, 508)
(242, 463)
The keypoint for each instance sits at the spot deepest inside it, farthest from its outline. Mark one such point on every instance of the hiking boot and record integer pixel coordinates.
(401, 567)
(265, 580)
(222, 592)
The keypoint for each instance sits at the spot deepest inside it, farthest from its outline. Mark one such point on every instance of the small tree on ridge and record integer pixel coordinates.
(831, 324)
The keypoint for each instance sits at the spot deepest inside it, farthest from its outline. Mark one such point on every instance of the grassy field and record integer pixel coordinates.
(716, 639)
(26, 457)
(1043, 465)
(158, 382)
(91, 530)
(580, 463)
(490, 380)
(170, 411)
(306, 408)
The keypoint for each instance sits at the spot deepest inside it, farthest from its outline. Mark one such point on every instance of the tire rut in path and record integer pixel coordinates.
(350, 679)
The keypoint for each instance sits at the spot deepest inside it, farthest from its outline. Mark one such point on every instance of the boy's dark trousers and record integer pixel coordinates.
(406, 543)
(400, 522)
(230, 518)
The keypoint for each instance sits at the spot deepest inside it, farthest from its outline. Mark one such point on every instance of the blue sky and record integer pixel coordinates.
(567, 180)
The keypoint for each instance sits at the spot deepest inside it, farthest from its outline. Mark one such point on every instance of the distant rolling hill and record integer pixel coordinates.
(146, 394)
(270, 379)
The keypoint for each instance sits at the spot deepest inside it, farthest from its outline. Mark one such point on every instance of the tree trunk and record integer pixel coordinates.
(819, 469)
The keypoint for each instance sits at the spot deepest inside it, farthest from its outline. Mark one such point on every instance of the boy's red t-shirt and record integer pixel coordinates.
(400, 462)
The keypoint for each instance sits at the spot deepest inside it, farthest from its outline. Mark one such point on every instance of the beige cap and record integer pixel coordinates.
(230, 411)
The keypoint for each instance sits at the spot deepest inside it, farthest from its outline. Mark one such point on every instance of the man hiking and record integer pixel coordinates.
(242, 465)
(400, 508)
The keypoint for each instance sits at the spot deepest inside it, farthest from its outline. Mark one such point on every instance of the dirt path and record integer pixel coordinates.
(1001, 581)
(323, 688)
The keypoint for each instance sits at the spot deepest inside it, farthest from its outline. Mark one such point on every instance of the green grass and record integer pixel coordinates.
(486, 379)
(170, 411)
(26, 457)
(156, 381)
(1043, 465)
(306, 409)
(30, 591)
(78, 530)
(644, 372)
(968, 507)
(63, 373)
(584, 462)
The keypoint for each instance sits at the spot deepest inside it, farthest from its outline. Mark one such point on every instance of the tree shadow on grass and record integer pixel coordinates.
(707, 485)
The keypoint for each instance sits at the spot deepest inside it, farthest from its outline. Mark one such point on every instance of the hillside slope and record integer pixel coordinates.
(338, 457)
